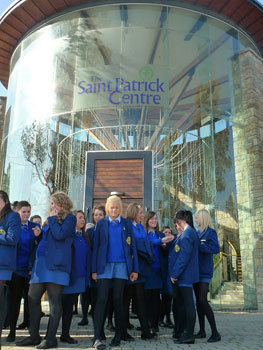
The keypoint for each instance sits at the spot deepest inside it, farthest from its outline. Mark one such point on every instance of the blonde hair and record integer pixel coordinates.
(113, 199)
(205, 219)
(133, 210)
(63, 200)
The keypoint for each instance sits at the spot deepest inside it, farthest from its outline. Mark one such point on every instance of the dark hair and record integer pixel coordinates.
(148, 215)
(35, 217)
(185, 215)
(14, 205)
(167, 227)
(7, 208)
(22, 204)
(75, 212)
(97, 207)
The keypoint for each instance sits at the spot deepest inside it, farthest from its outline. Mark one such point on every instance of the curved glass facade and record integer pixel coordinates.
(130, 77)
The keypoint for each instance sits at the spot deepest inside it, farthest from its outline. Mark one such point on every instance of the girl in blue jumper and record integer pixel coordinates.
(207, 248)
(51, 269)
(10, 227)
(29, 237)
(184, 271)
(157, 273)
(114, 259)
(145, 257)
(80, 275)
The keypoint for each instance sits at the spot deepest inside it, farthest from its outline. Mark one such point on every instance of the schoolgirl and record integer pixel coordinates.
(51, 269)
(145, 258)
(157, 273)
(207, 248)
(10, 228)
(79, 277)
(19, 285)
(114, 259)
(184, 271)
(166, 291)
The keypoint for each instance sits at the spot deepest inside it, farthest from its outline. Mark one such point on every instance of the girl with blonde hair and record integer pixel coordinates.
(51, 270)
(114, 260)
(207, 248)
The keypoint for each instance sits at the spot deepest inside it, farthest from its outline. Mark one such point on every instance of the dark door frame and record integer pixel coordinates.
(91, 156)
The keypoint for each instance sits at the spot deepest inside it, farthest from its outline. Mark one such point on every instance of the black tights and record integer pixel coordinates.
(137, 291)
(166, 306)
(17, 285)
(186, 310)
(152, 300)
(2, 283)
(203, 308)
(85, 302)
(68, 301)
(55, 305)
(103, 286)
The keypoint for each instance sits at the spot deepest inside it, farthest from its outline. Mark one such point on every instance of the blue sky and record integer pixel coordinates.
(3, 6)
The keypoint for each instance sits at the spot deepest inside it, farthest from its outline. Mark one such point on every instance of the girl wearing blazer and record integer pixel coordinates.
(157, 273)
(145, 253)
(10, 227)
(80, 275)
(51, 270)
(114, 259)
(184, 271)
(208, 246)
(26, 248)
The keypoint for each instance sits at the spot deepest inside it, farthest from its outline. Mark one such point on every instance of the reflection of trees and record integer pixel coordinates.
(40, 153)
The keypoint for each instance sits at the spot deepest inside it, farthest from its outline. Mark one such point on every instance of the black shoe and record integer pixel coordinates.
(68, 340)
(45, 344)
(115, 342)
(75, 312)
(169, 325)
(98, 345)
(146, 336)
(83, 323)
(127, 337)
(28, 341)
(10, 338)
(185, 340)
(155, 330)
(22, 325)
(176, 335)
(200, 335)
(161, 324)
(214, 338)
(130, 326)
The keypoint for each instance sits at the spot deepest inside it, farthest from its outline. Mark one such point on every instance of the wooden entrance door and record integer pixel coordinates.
(126, 173)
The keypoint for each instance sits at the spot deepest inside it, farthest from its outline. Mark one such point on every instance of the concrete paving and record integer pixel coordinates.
(239, 331)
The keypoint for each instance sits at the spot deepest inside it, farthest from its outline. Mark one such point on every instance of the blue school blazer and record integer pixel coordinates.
(58, 243)
(183, 257)
(33, 243)
(100, 247)
(207, 247)
(9, 236)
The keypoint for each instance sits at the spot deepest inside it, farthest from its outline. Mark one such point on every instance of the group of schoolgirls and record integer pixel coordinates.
(122, 251)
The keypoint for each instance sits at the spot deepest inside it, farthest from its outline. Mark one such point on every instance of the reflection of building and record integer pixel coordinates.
(182, 81)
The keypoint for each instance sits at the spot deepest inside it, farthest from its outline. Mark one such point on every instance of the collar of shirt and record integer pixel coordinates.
(136, 224)
(151, 232)
(25, 226)
(118, 219)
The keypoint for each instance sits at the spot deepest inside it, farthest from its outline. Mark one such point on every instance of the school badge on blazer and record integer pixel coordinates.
(2, 232)
(177, 248)
(128, 240)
